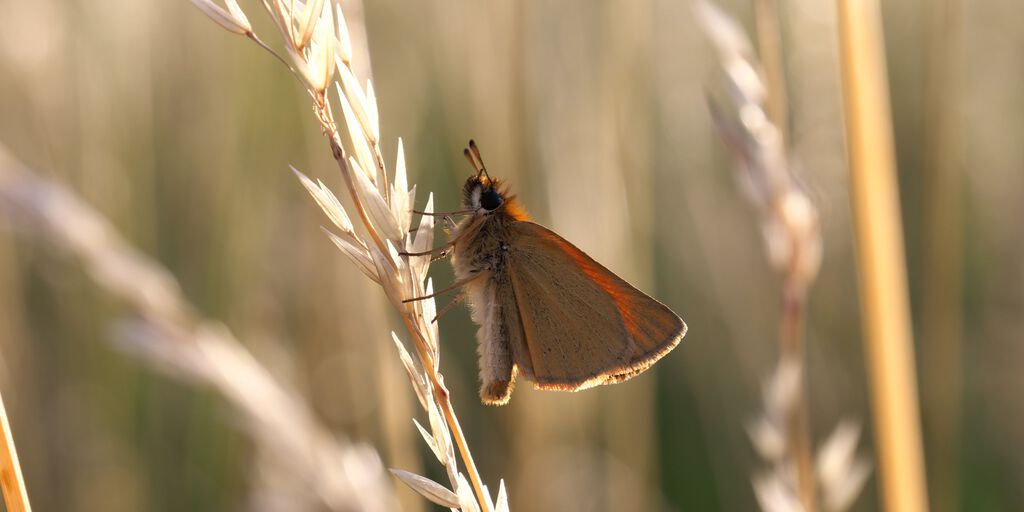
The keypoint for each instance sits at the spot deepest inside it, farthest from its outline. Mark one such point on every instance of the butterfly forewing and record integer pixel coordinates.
(579, 325)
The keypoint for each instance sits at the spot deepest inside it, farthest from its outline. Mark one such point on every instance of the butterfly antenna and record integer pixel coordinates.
(472, 161)
(473, 155)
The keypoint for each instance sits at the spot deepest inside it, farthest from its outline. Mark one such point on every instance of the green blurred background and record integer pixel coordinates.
(595, 113)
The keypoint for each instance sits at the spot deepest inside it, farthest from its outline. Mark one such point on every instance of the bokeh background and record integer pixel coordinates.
(595, 113)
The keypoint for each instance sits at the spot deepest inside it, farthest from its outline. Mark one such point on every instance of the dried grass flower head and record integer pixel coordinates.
(315, 35)
(790, 227)
(789, 219)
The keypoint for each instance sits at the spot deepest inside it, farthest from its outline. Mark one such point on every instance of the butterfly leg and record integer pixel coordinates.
(443, 214)
(442, 249)
(457, 284)
(458, 298)
(442, 255)
(449, 225)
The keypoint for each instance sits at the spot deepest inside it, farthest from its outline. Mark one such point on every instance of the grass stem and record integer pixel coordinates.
(942, 284)
(769, 44)
(444, 403)
(15, 495)
(791, 342)
(881, 260)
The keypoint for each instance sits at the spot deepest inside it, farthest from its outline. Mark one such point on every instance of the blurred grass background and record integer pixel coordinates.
(595, 113)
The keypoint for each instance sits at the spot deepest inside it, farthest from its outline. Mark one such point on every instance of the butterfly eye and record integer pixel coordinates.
(490, 199)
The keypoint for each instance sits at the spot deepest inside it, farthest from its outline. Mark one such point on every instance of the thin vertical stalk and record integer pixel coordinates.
(942, 285)
(883, 282)
(769, 44)
(444, 403)
(790, 225)
(791, 343)
(15, 495)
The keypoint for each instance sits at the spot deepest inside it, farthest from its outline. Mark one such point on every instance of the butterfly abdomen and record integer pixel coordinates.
(481, 257)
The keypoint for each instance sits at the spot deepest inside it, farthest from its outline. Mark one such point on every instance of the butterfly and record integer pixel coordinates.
(546, 311)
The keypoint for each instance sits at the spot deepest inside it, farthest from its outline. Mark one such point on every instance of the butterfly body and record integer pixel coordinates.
(548, 312)
(480, 257)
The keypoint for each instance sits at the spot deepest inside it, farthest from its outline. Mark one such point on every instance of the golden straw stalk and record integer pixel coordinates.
(11, 480)
(883, 282)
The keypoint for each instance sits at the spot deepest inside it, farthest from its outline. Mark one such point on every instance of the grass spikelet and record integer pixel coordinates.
(385, 215)
(754, 133)
(428, 488)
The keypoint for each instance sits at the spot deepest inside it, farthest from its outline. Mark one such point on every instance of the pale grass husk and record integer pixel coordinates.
(316, 39)
(315, 468)
(752, 122)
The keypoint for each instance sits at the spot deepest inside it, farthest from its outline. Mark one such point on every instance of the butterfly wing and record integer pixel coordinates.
(580, 325)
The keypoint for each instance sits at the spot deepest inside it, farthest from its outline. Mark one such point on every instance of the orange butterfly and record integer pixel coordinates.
(546, 310)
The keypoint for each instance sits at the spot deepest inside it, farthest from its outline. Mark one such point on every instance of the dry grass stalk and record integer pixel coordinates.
(942, 281)
(883, 280)
(169, 334)
(790, 227)
(316, 38)
(15, 495)
(769, 45)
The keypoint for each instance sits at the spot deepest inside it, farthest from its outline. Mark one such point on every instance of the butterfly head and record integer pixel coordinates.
(481, 194)
(485, 195)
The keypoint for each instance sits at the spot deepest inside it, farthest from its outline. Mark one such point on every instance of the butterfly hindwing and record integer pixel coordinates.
(580, 325)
